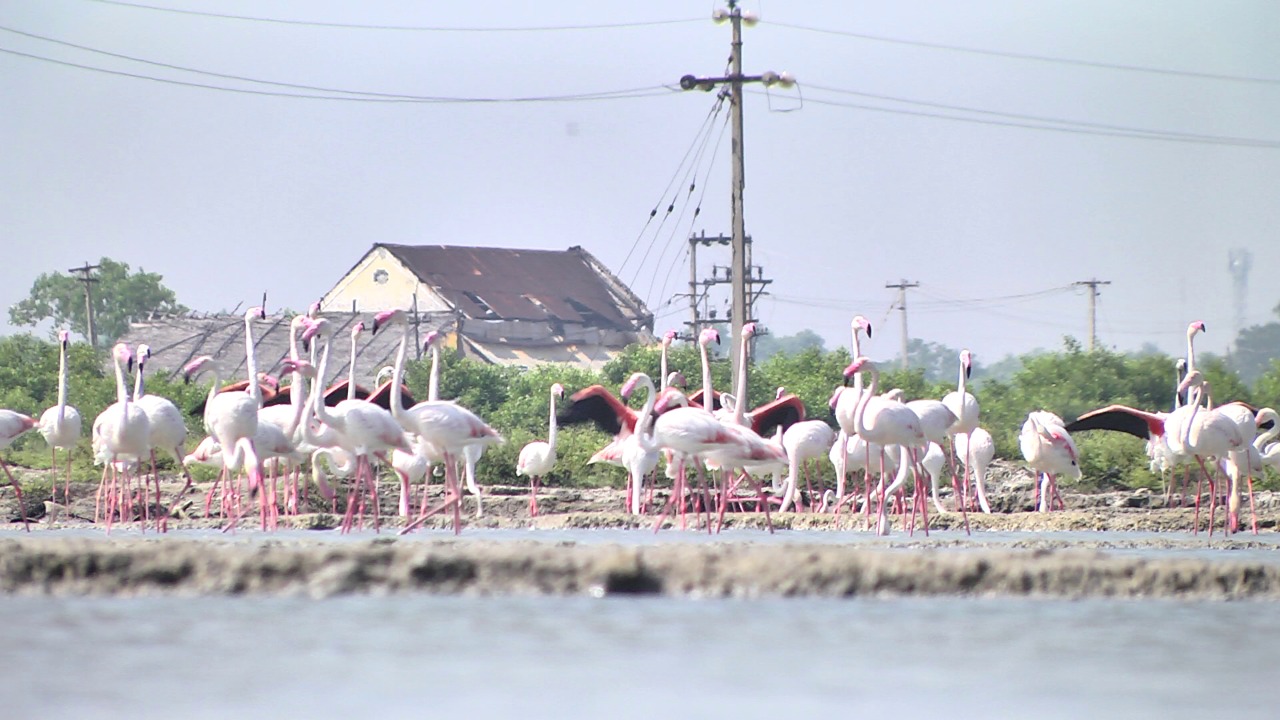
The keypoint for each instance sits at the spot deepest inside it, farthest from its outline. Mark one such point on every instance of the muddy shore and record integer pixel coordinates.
(51, 562)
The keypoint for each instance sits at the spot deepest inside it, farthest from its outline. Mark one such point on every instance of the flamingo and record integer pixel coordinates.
(804, 441)
(891, 423)
(362, 429)
(12, 426)
(446, 425)
(706, 398)
(667, 338)
(1209, 433)
(976, 449)
(123, 433)
(966, 409)
(165, 421)
(844, 402)
(60, 424)
(231, 419)
(1049, 450)
(638, 452)
(538, 458)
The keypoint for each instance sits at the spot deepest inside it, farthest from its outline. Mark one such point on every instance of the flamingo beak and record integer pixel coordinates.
(868, 330)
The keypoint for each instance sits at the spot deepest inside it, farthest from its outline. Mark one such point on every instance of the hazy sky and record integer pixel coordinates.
(229, 193)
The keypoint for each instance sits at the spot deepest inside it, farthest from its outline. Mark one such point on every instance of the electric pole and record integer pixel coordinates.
(1093, 308)
(88, 281)
(902, 287)
(734, 80)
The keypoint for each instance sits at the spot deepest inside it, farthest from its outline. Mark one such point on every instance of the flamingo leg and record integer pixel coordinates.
(17, 489)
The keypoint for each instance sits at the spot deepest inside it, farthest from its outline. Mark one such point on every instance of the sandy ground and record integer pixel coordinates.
(47, 561)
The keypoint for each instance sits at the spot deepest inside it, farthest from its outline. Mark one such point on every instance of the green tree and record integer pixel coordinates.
(769, 345)
(1255, 347)
(119, 297)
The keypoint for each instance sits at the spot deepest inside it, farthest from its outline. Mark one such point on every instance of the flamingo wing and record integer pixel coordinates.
(781, 413)
(1120, 418)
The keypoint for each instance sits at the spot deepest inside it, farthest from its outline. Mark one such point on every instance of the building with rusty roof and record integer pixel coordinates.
(510, 307)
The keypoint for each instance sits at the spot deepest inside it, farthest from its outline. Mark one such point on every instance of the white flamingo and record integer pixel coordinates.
(804, 441)
(1049, 450)
(976, 449)
(538, 458)
(12, 426)
(167, 425)
(60, 424)
(362, 428)
(123, 433)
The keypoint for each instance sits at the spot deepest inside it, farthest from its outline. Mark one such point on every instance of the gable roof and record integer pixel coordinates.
(532, 285)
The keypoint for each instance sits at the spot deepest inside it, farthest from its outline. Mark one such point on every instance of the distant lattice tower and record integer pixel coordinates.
(1239, 260)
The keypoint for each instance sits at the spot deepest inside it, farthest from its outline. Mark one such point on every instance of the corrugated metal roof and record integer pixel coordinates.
(539, 285)
(175, 341)
(588, 356)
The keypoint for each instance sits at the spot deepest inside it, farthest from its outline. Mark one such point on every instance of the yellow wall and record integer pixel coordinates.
(371, 296)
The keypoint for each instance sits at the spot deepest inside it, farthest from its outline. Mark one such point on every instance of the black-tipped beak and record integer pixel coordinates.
(373, 329)
(868, 330)
(968, 371)
(129, 365)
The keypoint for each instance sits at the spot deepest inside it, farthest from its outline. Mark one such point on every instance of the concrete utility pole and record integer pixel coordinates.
(734, 81)
(88, 281)
(903, 286)
(1093, 308)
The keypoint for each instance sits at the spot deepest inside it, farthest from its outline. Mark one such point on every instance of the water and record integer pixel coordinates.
(410, 656)
(1241, 546)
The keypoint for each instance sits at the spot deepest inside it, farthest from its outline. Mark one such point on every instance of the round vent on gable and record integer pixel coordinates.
(381, 276)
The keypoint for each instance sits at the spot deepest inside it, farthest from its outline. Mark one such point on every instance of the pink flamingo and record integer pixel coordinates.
(891, 423)
(362, 428)
(61, 425)
(844, 403)
(446, 425)
(12, 426)
(538, 458)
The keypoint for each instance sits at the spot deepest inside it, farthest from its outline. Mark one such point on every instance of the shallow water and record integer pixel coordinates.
(1264, 547)
(425, 656)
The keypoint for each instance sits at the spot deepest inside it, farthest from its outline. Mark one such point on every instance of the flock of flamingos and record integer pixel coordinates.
(262, 440)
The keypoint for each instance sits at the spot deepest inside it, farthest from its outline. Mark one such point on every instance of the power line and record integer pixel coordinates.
(414, 28)
(652, 91)
(1144, 135)
(1046, 119)
(1031, 56)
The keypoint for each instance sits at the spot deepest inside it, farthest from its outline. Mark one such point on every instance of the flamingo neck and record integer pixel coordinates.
(62, 381)
(351, 369)
(1270, 434)
(251, 362)
(740, 409)
(662, 368)
(645, 419)
(1191, 350)
(857, 353)
(139, 384)
(397, 372)
(433, 383)
(551, 430)
(859, 425)
(708, 398)
(317, 397)
(960, 384)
